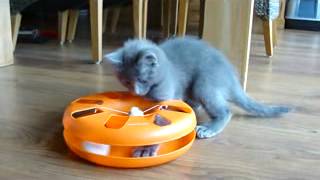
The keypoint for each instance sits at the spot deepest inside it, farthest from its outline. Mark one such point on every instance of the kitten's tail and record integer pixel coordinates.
(256, 108)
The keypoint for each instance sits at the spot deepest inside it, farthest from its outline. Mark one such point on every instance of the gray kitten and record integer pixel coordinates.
(187, 69)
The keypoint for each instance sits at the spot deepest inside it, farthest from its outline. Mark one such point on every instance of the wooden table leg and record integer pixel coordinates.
(96, 8)
(6, 49)
(182, 17)
(15, 27)
(227, 26)
(246, 43)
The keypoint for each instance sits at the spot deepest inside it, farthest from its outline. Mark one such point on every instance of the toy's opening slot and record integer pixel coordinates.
(174, 108)
(161, 121)
(116, 122)
(126, 151)
(90, 101)
(86, 112)
(165, 148)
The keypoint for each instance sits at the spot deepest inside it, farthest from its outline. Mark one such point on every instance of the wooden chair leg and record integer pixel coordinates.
(183, 13)
(145, 18)
(268, 39)
(72, 24)
(137, 18)
(115, 19)
(200, 27)
(63, 23)
(174, 23)
(15, 26)
(162, 13)
(281, 18)
(166, 18)
(105, 18)
(96, 8)
(275, 33)
(170, 17)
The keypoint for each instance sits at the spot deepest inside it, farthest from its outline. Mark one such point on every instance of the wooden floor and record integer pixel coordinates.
(45, 78)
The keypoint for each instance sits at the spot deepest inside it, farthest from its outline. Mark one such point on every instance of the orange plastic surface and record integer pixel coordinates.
(99, 120)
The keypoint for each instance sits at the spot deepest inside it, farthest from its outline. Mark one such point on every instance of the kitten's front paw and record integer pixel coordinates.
(213, 128)
(146, 151)
(204, 132)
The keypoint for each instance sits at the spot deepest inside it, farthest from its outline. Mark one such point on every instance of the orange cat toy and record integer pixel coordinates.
(105, 128)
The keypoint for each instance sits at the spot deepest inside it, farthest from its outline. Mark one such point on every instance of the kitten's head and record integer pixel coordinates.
(137, 65)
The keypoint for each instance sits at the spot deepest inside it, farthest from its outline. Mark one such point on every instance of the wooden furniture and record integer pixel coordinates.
(96, 7)
(72, 24)
(74, 15)
(62, 23)
(140, 14)
(268, 11)
(281, 18)
(68, 20)
(96, 11)
(174, 17)
(63, 16)
(269, 35)
(169, 17)
(140, 10)
(15, 26)
(16, 6)
(227, 26)
(6, 46)
(182, 17)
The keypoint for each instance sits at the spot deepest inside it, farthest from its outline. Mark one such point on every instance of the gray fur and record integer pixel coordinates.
(187, 69)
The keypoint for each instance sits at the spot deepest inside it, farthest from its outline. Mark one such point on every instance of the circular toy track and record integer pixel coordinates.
(101, 129)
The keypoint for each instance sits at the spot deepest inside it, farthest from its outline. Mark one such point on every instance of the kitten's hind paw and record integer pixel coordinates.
(146, 151)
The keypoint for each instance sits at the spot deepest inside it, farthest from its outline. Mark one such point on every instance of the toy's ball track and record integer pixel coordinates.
(98, 128)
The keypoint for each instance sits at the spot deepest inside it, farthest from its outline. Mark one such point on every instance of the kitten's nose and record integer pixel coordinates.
(138, 90)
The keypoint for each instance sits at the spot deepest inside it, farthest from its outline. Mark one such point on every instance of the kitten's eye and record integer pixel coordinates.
(142, 81)
(149, 56)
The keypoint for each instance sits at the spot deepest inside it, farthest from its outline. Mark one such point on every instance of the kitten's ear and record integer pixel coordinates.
(115, 57)
(150, 58)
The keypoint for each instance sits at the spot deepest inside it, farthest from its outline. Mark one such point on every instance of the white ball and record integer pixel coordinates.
(135, 111)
